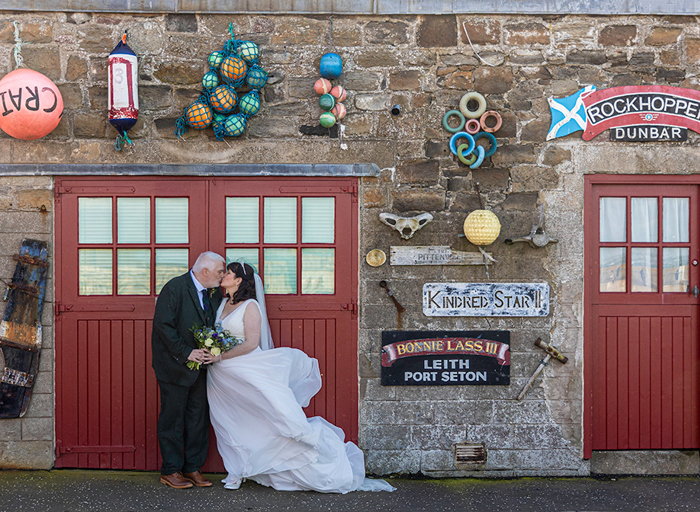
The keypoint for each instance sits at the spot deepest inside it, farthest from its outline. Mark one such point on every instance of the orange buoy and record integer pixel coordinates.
(30, 103)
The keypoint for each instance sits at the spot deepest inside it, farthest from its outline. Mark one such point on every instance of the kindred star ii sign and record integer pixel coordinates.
(632, 113)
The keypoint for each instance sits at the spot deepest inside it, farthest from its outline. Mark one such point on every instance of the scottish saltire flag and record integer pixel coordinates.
(568, 114)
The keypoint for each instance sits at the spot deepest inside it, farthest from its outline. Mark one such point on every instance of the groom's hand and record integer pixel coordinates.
(198, 355)
(209, 358)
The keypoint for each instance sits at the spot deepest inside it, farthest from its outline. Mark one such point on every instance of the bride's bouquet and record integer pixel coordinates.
(216, 340)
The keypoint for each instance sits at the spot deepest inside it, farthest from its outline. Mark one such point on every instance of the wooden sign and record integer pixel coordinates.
(661, 105)
(20, 330)
(445, 358)
(433, 255)
(486, 299)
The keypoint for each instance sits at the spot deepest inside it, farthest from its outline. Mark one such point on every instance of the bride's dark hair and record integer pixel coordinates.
(247, 288)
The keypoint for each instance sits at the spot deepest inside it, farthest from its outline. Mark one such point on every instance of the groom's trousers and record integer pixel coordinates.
(183, 426)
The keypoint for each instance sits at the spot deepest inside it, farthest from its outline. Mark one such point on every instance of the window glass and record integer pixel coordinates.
(645, 219)
(280, 220)
(676, 269)
(95, 272)
(280, 271)
(249, 256)
(133, 271)
(613, 269)
(613, 219)
(170, 263)
(133, 220)
(172, 215)
(317, 220)
(644, 269)
(242, 220)
(318, 271)
(676, 219)
(95, 220)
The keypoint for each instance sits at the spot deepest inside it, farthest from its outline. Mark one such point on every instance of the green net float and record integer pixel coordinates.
(234, 126)
(218, 121)
(464, 105)
(256, 77)
(250, 104)
(326, 102)
(210, 80)
(327, 119)
(215, 59)
(461, 154)
(249, 51)
(446, 118)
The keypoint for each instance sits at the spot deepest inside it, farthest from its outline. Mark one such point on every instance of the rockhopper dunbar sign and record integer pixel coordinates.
(632, 113)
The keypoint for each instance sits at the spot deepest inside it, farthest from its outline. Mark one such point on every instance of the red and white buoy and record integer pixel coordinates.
(123, 91)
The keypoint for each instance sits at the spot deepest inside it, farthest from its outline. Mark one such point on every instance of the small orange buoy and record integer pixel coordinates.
(322, 86)
(30, 103)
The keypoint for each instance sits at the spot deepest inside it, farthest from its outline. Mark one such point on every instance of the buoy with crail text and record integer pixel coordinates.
(31, 104)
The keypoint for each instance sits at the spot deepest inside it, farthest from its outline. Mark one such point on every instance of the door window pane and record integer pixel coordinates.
(318, 271)
(133, 220)
(280, 220)
(676, 269)
(172, 215)
(317, 220)
(242, 220)
(133, 271)
(280, 271)
(613, 269)
(170, 263)
(676, 215)
(644, 269)
(613, 219)
(95, 272)
(249, 256)
(645, 219)
(95, 220)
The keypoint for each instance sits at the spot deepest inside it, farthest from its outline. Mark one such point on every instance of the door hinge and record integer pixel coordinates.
(351, 307)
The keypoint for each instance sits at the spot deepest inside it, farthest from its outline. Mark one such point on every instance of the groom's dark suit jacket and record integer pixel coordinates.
(177, 312)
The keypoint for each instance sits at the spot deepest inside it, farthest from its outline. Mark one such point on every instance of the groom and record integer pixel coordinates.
(183, 424)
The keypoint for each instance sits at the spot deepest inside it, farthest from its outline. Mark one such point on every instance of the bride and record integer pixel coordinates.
(256, 394)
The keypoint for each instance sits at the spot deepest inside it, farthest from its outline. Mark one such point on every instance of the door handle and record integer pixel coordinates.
(696, 292)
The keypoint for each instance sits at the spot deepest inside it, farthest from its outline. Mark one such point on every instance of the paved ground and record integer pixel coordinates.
(78, 490)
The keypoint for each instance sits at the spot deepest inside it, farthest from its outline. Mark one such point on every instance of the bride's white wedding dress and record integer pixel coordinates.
(255, 404)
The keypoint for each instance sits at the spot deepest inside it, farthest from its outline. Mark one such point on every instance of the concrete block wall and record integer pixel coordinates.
(28, 442)
(425, 64)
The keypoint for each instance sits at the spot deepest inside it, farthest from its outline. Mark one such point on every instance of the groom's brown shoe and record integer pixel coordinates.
(176, 481)
(197, 479)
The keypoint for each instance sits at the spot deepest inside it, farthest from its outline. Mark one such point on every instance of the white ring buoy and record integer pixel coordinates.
(472, 114)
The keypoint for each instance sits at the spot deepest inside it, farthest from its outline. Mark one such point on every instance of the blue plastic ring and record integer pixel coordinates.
(479, 158)
(462, 135)
(492, 140)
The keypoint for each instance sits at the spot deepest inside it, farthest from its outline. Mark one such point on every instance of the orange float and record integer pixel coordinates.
(30, 103)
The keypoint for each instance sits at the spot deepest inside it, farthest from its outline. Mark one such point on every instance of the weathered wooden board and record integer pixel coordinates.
(486, 299)
(20, 330)
(433, 255)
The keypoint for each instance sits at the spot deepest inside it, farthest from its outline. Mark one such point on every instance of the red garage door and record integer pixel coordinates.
(119, 240)
(641, 318)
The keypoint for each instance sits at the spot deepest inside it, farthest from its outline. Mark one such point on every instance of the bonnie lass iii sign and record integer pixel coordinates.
(486, 299)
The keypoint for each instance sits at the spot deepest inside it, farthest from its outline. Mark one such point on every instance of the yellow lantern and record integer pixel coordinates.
(482, 227)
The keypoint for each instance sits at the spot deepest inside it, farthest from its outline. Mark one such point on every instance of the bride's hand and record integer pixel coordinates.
(209, 358)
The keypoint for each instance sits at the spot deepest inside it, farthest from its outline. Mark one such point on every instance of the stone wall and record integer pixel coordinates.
(425, 64)
(26, 211)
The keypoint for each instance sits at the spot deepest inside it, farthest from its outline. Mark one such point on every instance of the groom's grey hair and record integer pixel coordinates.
(207, 260)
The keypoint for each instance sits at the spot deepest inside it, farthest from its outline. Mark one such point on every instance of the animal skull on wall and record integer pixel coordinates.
(406, 226)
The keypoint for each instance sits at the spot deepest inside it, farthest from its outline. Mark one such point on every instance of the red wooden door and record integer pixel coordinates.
(641, 316)
(117, 242)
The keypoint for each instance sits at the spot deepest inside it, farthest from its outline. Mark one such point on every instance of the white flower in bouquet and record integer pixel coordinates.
(215, 351)
(208, 342)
